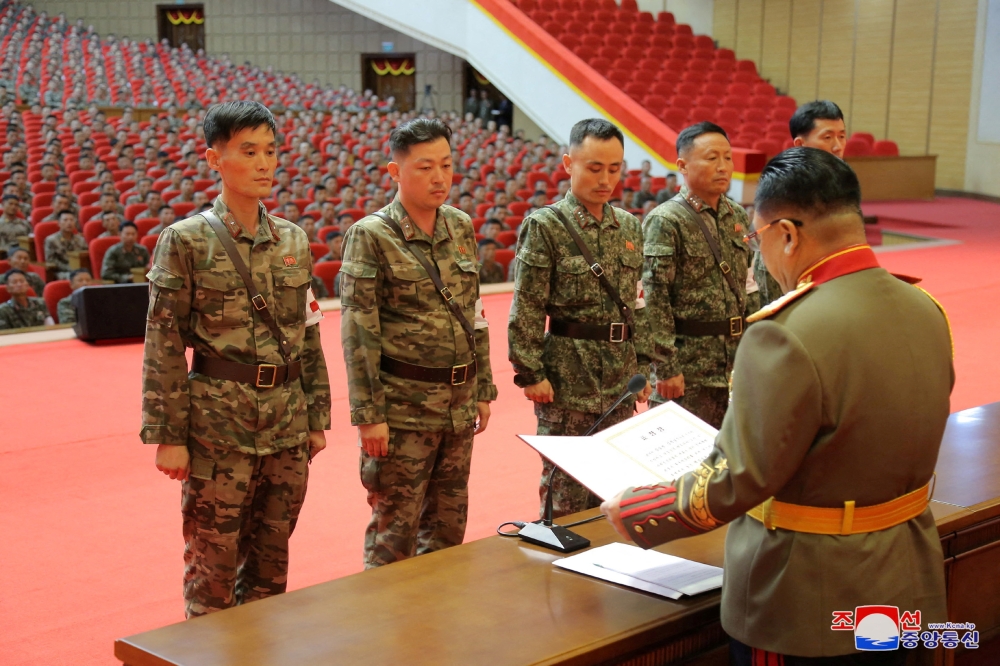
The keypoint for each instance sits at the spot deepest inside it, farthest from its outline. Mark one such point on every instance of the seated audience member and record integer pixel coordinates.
(58, 246)
(64, 308)
(200, 199)
(109, 205)
(490, 270)
(491, 229)
(125, 255)
(308, 225)
(20, 260)
(154, 202)
(167, 217)
(334, 243)
(60, 204)
(319, 196)
(187, 191)
(142, 187)
(645, 192)
(345, 222)
(12, 225)
(669, 190)
(111, 223)
(22, 311)
(290, 211)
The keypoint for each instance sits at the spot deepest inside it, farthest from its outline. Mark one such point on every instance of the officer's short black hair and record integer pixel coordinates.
(688, 135)
(224, 120)
(489, 241)
(465, 194)
(330, 235)
(78, 271)
(804, 119)
(187, 178)
(492, 220)
(599, 128)
(67, 212)
(160, 209)
(126, 223)
(419, 130)
(14, 248)
(14, 271)
(808, 180)
(8, 197)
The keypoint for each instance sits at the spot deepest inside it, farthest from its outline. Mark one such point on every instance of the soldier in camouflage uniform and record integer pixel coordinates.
(12, 226)
(418, 392)
(22, 311)
(699, 319)
(240, 429)
(65, 311)
(58, 246)
(581, 367)
(19, 259)
(122, 257)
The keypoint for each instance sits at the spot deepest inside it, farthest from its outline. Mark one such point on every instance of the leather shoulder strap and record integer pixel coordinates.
(727, 270)
(259, 304)
(596, 268)
(432, 271)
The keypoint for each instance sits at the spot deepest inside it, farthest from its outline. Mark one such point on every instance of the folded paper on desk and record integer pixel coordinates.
(646, 570)
(660, 444)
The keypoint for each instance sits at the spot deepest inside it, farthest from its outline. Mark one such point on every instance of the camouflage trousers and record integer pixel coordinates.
(238, 512)
(568, 495)
(419, 494)
(708, 403)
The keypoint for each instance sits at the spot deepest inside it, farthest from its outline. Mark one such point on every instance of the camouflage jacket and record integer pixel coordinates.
(65, 312)
(13, 315)
(553, 279)
(57, 249)
(10, 229)
(197, 299)
(492, 273)
(682, 281)
(768, 287)
(118, 263)
(34, 281)
(390, 306)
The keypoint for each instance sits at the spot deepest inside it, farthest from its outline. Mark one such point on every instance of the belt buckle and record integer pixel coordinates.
(597, 269)
(274, 375)
(736, 326)
(465, 374)
(258, 302)
(620, 336)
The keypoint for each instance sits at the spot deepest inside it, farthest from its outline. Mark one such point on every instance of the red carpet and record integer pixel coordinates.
(91, 546)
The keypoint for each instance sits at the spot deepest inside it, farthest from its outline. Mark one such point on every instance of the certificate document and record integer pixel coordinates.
(657, 445)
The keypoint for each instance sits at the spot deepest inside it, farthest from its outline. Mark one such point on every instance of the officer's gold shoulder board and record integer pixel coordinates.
(951, 337)
(774, 307)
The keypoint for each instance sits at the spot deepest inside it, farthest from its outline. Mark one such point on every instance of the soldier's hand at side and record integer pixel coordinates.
(173, 460)
(644, 394)
(483, 409)
(671, 388)
(375, 439)
(317, 442)
(612, 509)
(540, 392)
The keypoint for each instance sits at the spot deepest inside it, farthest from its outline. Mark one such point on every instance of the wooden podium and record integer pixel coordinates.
(499, 601)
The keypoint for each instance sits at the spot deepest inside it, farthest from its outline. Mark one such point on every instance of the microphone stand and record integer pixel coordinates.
(543, 532)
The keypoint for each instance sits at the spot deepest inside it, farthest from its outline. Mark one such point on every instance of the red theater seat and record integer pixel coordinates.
(54, 292)
(327, 272)
(98, 248)
(885, 149)
(857, 148)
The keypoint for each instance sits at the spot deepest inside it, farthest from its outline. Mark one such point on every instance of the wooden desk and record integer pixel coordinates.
(498, 601)
(889, 178)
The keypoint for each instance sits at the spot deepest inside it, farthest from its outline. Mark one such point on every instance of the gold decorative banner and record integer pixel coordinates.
(178, 17)
(480, 79)
(395, 67)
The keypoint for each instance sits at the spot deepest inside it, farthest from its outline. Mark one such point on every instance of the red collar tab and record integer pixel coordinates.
(843, 262)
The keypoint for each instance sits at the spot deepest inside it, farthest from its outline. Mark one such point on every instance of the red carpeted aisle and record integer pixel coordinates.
(91, 545)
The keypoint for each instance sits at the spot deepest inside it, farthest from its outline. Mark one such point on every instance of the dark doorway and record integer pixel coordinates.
(501, 109)
(391, 76)
(182, 24)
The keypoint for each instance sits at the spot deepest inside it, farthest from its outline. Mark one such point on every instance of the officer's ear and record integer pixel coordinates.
(212, 157)
(567, 162)
(791, 236)
(393, 169)
(682, 165)
(798, 142)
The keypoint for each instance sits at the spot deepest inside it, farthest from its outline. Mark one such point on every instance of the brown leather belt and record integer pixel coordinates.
(456, 375)
(733, 327)
(606, 332)
(265, 375)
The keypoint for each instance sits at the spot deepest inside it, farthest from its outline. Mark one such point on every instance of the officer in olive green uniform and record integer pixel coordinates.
(122, 257)
(21, 310)
(591, 350)
(408, 357)
(698, 304)
(238, 428)
(59, 245)
(831, 440)
(11, 226)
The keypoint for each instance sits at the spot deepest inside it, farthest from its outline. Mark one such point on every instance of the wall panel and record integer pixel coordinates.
(749, 29)
(724, 23)
(836, 55)
(911, 75)
(774, 60)
(869, 109)
(803, 83)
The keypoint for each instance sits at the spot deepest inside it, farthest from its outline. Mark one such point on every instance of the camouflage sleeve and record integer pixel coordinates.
(526, 324)
(777, 409)
(767, 286)
(111, 267)
(659, 272)
(66, 312)
(166, 400)
(6, 322)
(360, 328)
(315, 380)
(644, 351)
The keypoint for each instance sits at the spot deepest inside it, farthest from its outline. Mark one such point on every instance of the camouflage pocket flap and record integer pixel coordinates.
(202, 469)
(161, 277)
(408, 273)
(632, 259)
(658, 250)
(290, 277)
(574, 265)
(468, 266)
(218, 280)
(536, 259)
(358, 270)
(741, 245)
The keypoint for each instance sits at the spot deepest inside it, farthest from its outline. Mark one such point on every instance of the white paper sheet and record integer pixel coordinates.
(657, 445)
(586, 563)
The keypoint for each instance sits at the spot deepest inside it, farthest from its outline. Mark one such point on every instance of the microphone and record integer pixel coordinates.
(544, 533)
